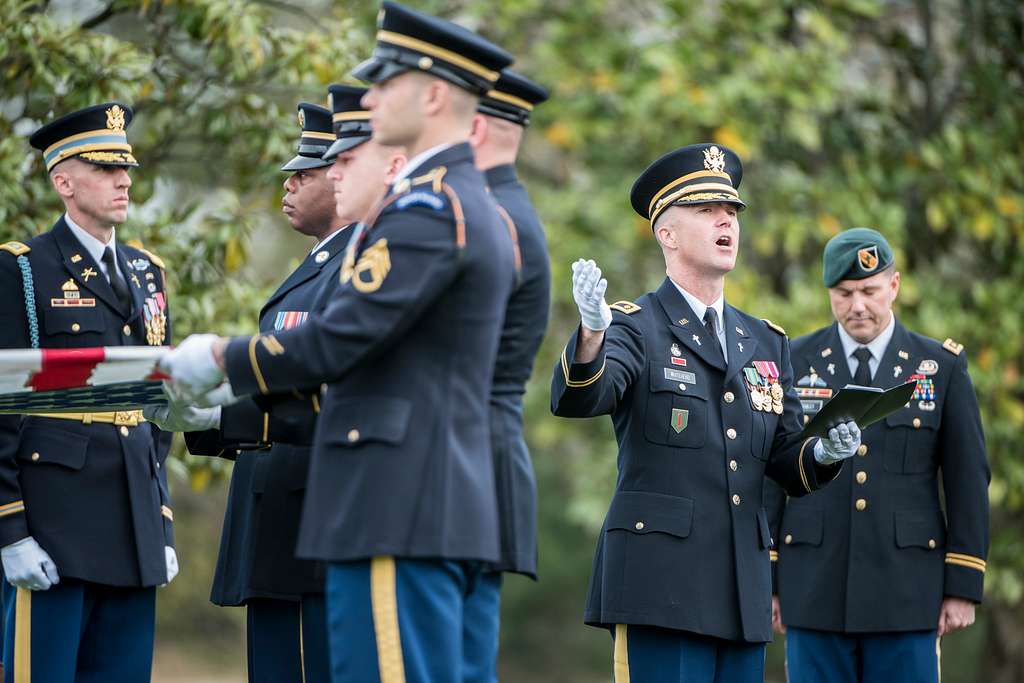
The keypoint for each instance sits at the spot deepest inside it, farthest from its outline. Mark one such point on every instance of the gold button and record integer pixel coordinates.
(917, 423)
(807, 418)
(425, 63)
(353, 435)
(731, 433)
(639, 526)
(733, 465)
(682, 387)
(862, 477)
(126, 329)
(35, 456)
(788, 539)
(75, 327)
(931, 543)
(124, 431)
(735, 499)
(729, 397)
(861, 504)
(862, 449)
(158, 465)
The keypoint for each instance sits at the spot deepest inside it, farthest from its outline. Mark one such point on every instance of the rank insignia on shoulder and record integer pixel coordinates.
(419, 198)
(777, 328)
(626, 307)
(953, 347)
(16, 248)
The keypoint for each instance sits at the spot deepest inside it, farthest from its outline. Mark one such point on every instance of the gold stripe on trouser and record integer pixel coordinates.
(621, 656)
(302, 646)
(384, 602)
(938, 655)
(23, 637)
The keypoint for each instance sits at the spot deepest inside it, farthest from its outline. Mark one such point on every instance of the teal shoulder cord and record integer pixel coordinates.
(30, 300)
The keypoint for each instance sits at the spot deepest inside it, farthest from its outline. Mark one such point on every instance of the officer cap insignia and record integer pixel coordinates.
(302, 119)
(953, 347)
(868, 258)
(15, 248)
(773, 326)
(714, 159)
(627, 307)
(115, 118)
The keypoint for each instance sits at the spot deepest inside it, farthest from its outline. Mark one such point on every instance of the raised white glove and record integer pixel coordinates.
(179, 415)
(221, 396)
(842, 442)
(172, 563)
(588, 289)
(192, 367)
(27, 565)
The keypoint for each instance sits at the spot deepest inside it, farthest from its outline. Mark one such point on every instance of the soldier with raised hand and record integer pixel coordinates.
(875, 570)
(85, 516)
(400, 497)
(701, 397)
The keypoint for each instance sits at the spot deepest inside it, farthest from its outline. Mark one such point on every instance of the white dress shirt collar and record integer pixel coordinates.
(876, 346)
(699, 308)
(93, 245)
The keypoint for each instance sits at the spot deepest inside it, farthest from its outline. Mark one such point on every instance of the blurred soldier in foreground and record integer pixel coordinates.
(85, 517)
(400, 498)
(498, 128)
(871, 574)
(703, 405)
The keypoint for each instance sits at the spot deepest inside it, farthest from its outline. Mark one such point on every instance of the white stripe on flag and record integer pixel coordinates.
(16, 367)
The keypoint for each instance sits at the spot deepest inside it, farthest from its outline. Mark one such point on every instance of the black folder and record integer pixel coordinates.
(863, 405)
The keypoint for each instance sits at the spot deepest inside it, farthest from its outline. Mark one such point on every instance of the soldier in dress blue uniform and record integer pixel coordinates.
(85, 516)
(400, 498)
(284, 596)
(498, 129)
(871, 572)
(701, 397)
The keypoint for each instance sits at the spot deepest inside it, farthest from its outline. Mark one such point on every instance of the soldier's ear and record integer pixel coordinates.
(395, 164)
(62, 182)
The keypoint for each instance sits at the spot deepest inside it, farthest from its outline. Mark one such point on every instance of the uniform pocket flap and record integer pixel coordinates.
(644, 513)
(802, 526)
(676, 379)
(51, 445)
(73, 320)
(914, 418)
(920, 529)
(362, 419)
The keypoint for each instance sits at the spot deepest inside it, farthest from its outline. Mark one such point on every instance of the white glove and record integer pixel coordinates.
(842, 442)
(221, 396)
(179, 415)
(192, 367)
(172, 563)
(27, 565)
(588, 289)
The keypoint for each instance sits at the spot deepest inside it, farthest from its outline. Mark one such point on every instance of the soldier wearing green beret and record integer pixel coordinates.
(873, 571)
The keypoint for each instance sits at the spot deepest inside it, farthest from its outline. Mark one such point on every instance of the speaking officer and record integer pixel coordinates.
(498, 128)
(703, 405)
(871, 571)
(400, 497)
(85, 517)
(286, 629)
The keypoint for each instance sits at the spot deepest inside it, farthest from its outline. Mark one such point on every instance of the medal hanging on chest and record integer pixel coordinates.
(762, 381)
(924, 392)
(154, 311)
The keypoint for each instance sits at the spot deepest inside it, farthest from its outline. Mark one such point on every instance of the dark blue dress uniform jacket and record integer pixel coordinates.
(95, 497)
(685, 544)
(886, 567)
(401, 459)
(257, 547)
(526, 319)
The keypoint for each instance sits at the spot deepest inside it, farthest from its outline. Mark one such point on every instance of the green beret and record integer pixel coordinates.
(855, 254)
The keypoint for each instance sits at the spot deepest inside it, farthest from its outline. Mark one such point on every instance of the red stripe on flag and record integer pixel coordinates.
(65, 368)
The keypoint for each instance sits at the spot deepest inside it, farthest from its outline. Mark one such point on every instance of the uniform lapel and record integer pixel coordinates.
(740, 345)
(684, 325)
(308, 269)
(831, 354)
(134, 285)
(85, 271)
(886, 375)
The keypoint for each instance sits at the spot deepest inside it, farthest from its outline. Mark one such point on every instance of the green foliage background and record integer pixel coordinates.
(903, 116)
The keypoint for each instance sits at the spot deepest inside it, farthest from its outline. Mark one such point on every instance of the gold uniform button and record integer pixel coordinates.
(788, 539)
(917, 423)
(931, 543)
(729, 397)
(682, 387)
(127, 330)
(35, 456)
(861, 504)
(124, 431)
(735, 499)
(731, 433)
(862, 477)
(639, 526)
(75, 327)
(353, 435)
(807, 418)
(425, 63)
(862, 449)
(733, 465)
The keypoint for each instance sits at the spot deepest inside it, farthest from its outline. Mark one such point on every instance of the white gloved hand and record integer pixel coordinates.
(192, 367)
(27, 565)
(588, 289)
(221, 396)
(842, 443)
(179, 415)
(172, 563)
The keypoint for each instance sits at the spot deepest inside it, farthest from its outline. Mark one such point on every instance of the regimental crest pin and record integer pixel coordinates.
(680, 419)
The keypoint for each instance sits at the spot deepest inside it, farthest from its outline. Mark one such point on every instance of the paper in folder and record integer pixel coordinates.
(863, 405)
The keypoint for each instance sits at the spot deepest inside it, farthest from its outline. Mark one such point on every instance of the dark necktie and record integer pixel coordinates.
(711, 322)
(863, 375)
(117, 282)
